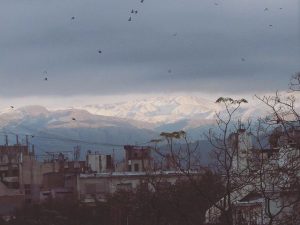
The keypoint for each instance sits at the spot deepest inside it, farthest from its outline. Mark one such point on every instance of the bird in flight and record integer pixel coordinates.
(99, 51)
(73, 118)
(12, 107)
(280, 8)
(142, 1)
(45, 74)
(73, 18)
(266, 9)
(270, 25)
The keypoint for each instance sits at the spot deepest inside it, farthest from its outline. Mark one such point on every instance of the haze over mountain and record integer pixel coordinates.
(110, 126)
(56, 130)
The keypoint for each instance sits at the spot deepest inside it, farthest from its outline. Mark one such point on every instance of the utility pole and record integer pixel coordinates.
(32, 151)
(113, 161)
(32, 147)
(6, 140)
(27, 141)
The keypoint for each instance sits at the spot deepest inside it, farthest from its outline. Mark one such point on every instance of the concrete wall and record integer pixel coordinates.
(138, 165)
(99, 163)
(91, 186)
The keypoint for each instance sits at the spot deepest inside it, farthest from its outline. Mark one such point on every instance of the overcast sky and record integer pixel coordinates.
(170, 46)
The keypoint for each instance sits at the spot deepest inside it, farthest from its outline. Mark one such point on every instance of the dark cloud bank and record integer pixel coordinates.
(169, 46)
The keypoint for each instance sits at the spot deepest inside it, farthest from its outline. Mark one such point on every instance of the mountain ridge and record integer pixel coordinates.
(53, 130)
(149, 113)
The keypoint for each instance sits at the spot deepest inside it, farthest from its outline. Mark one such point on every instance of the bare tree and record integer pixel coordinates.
(231, 143)
(278, 174)
(275, 175)
(186, 159)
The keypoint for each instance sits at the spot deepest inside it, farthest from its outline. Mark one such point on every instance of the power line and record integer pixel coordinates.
(63, 139)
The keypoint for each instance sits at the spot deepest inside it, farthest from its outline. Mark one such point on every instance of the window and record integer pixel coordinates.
(109, 164)
(136, 167)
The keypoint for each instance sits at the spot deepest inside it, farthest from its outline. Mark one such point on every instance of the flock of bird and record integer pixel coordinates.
(134, 12)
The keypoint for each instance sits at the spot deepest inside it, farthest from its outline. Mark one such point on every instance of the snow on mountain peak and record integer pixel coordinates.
(33, 110)
(167, 112)
(157, 109)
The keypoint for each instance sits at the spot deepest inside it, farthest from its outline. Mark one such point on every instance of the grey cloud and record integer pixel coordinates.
(204, 55)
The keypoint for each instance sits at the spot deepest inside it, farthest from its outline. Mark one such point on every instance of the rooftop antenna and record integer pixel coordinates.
(33, 151)
(27, 141)
(6, 140)
(76, 153)
(113, 159)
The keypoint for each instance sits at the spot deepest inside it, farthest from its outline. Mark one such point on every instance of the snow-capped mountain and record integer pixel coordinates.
(158, 109)
(62, 129)
(159, 113)
(169, 110)
(65, 118)
(131, 122)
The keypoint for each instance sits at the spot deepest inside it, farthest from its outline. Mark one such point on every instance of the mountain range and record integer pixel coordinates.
(109, 126)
